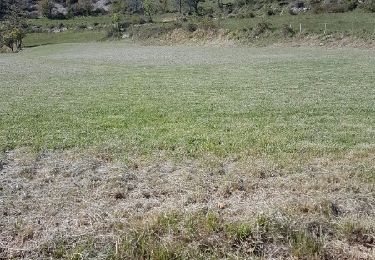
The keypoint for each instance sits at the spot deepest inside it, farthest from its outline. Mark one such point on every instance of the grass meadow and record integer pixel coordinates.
(189, 100)
(354, 25)
(225, 152)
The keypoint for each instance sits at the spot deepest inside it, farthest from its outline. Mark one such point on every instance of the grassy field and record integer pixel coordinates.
(352, 24)
(210, 101)
(198, 151)
(37, 39)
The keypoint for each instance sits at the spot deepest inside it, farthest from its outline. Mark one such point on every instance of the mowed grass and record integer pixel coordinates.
(352, 23)
(44, 38)
(285, 103)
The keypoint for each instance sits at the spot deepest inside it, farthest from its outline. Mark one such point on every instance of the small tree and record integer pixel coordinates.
(149, 8)
(84, 7)
(193, 4)
(4, 5)
(180, 4)
(119, 6)
(13, 39)
(11, 28)
(116, 18)
(46, 7)
(163, 5)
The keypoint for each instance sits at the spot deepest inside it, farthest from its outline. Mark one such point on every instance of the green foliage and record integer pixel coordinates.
(287, 31)
(305, 245)
(208, 24)
(191, 27)
(116, 18)
(369, 5)
(149, 7)
(12, 27)
(261, 28)
(119, 6)
(84, 7)
(46, 7)
(13, 38)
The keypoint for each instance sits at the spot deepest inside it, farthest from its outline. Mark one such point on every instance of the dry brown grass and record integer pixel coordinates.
(86, 205)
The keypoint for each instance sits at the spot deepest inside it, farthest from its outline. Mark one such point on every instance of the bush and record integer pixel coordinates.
(246, 14)
(192, 27)
(13, 39)
(136, 19)
(208, 24)
(287, 31)
(113, 32)
(270, 12)
(84, 7)
(261, 28)
(369, 5)
(337, 6)
(46, 7)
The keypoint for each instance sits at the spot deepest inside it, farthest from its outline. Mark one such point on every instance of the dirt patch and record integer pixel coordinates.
(59, 199)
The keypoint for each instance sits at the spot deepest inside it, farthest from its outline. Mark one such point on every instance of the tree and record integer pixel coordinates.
(193, 4)
(163, 5)
(149, 7)
(4, 6)
(13, 39)
(11, 28)
(84, 7)
(119, 6)
(116, 19)
(179, 4)
(46, 7)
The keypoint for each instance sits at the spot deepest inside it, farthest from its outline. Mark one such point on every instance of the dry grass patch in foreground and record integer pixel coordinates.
(77, 206)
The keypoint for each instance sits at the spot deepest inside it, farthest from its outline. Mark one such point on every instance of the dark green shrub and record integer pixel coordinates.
(82, 27)
(246, 14)
(192, 27)
(113, 32)
(287, 31)
(208, 24)
(261, 28)
(369, 5)
(337, 6)
(136, 19)
(270, 12)
(177, 24)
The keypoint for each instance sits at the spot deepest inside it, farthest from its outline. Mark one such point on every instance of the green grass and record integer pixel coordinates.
(189, 101)
(76, 21)
(358, 24)
(353, 23)
(207, 235)
(35, 39)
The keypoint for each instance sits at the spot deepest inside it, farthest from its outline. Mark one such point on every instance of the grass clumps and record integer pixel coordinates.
(207, 234)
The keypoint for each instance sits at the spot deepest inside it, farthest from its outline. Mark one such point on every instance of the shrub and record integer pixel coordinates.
(113, 32)
(261, 28)
(208, 24)
(136, 19)
(337, 6)
(287, 31)
(270, 12)
(208, 11)
(369, 5)
(84, 7)
(246, 14)
(13, 39)
(192, 27)
(82, 27)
